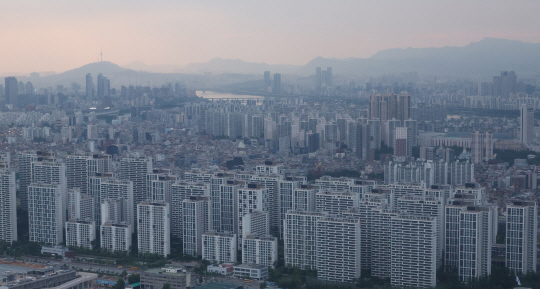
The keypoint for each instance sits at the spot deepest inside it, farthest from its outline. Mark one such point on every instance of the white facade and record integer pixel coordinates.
(256, 223)
(134, 169)
(304, 198)
(253, 198)
(260, 250)
(300, 238)
(111, 188)
(338, 249)
(414, 249)
(116, 237)
(196, 212)
(521, 236)
(80, 233)
(219, 247)
(179, 192)
(336, 202)
(475, 242)
(46, 213)
(80, 206)
(8, 206)
(153, 228)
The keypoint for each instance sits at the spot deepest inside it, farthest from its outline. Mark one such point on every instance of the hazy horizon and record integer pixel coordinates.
(62, 35)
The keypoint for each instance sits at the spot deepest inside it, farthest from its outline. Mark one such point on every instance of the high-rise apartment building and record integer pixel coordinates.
(25, 172)
(401, 142)
(80, 233)
(80, 206)
(256, 223)
(81, 166)
(413, 251)
(276, 88)
(135, 169)
(267, 80)
(336, 202)
(116, 237)
(219, 247)
(196, 213)
(179, 192)
(260, 250)
(153, 228)
(250, 199)
(526, 124)
(521, 236)
(46, 213)
(301, 238)
(338, 249)
(8, 206)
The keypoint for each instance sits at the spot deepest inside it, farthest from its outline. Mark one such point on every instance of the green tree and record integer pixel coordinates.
(124, 273)
(166, 286)
(134, 278)
(120, 284)
(263, 285)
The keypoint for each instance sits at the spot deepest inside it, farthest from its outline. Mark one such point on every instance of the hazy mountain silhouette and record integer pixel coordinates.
(160, 68)
(218, 65)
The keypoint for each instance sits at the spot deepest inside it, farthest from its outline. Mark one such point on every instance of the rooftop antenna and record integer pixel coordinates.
(101, 54)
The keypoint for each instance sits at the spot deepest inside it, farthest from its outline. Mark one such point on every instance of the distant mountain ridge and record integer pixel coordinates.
(477, 59)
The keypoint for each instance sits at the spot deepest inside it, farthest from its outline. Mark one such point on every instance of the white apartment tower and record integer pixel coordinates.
(179, 192)
(135, 169)
(300, 239)
(260, 250)
(336, 202)
(153, 228)
(119, 189)
(46, 214)
(521, 236)
(475, 241)
(219, 247)
(8, 206)
(196, 213)
(80, 233)
(338, 249)
(304, 198)
(80, 206)
(251, 198)
(256, 223)
(116, 237)
(413, 251)
(81, 166)
(25, 172)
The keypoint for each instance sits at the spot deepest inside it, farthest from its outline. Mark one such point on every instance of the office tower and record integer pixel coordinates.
(100, 88)
(81, 166)
(153, 228)
(304, 198)
(381, 241)
(414, 248)
(256, 223)
(11, 91)
(260, 250)
(521, 236)
(412, 125)
(430, 207)
(111, 188)
(80, 206)
(404, 107)
(489, 145)
(374, 133)
(497, 86)
(135, 169)
(364, 149)
(250, 199)
(8, 206)
(329, 80)
(89, 87)
(313, 140)
(80, 233)
(277, 83)
(219, 247)
(196, 213)
(336, 202)
(318, 77)
(526, 124)
(485, 88)
(338, 249)
(477, 147)
(46, 213)
(475, 240)
(508, 83)
(116, 237)
(401, 141)
(300, 239)
(267, 80)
